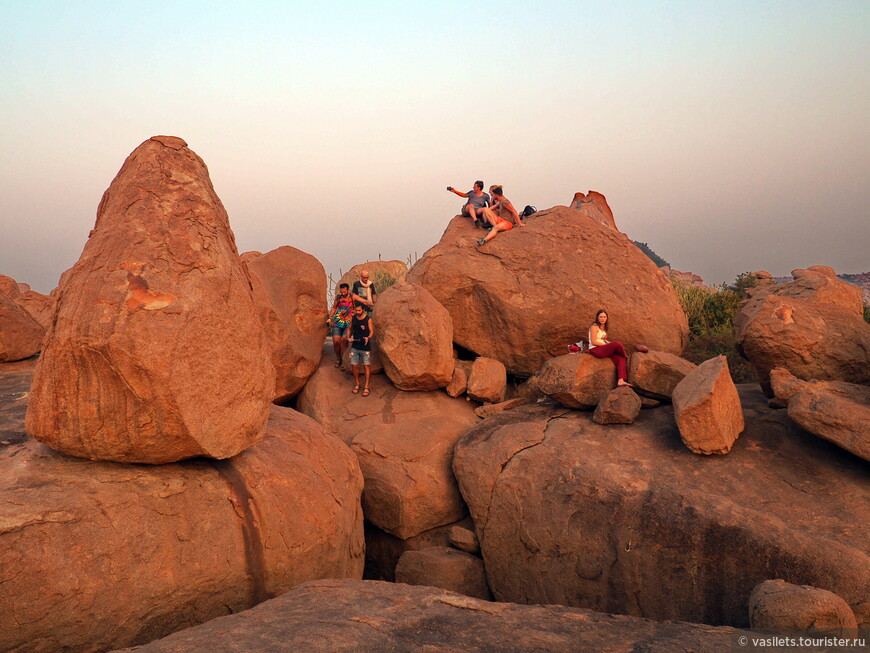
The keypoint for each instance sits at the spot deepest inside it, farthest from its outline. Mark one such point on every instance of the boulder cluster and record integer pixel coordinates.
(205, 453)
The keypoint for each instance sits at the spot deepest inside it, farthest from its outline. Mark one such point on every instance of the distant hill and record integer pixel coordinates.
(658, 260)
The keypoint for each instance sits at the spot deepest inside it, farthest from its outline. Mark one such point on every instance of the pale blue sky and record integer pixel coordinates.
(729, 136)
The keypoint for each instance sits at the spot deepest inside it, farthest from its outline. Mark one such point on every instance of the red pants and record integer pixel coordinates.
(615, 352)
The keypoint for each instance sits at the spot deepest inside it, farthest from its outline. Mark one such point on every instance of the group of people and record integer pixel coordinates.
(350, 322)
(491, 210)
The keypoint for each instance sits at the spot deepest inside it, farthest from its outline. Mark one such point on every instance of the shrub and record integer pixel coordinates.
(646, 249)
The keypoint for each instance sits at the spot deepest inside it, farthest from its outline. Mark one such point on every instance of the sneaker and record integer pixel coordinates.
(481, 241)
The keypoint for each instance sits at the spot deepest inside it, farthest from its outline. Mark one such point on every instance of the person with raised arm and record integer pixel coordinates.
(477, 201)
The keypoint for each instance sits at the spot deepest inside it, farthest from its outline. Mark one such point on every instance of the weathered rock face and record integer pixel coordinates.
(813, 327)
(595, 206)
(577, 380)
(459, 381)
(378, 270)
(331, 616)
(621, 406)
(533, 290)
(99, 555)
(40, 307)
(623, 504)
(488, 410)
(20, 335)
(9, 287)
(156, 352)
(707, 408)
(463, 539)
(817, 283)
(444, 567)
(404, 442)
(835, 411)
(415, 337)
(487, 380)
(657, 373)
(779, 605)
(289, 286)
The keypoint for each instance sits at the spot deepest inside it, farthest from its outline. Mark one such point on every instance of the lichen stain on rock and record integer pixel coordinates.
(140, 296)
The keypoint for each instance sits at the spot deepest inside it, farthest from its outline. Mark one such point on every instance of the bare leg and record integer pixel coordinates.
(368, 369)
(356, 378)
(337, 345)
(499, 227)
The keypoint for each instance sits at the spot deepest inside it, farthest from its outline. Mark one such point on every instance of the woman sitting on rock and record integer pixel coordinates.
(601, 347)
(499, 220)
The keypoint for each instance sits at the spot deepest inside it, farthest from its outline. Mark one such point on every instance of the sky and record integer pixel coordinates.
(729, 136)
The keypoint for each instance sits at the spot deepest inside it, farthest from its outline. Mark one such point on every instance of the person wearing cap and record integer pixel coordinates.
(477, 201)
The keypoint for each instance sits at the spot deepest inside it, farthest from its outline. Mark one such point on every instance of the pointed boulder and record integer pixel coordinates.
(155, 352)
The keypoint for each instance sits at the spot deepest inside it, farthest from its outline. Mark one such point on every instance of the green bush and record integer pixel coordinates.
(655, 258)
(710, 314)
(866, 313)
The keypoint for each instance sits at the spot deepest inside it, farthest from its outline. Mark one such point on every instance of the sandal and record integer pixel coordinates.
(365, 392)
(356, 388)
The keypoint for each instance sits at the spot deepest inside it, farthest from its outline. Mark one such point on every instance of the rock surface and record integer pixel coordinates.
(835, 411)
(487, 380)
(657, 373)
(519, 296)
(415, 337)
(9, 287)
(459, 381)
(344, 616)
(378, 271)
(594, 205)
(628, 520)
(40, 307)
(20, 335)
(404, 442)
(289, 286)
(811, 339)
(621, 406)
(156, 352)
(494, 409)
(463, 539)
(444, 567)
(775, 604)
(707, 408)
(98, 555)
(577, 380)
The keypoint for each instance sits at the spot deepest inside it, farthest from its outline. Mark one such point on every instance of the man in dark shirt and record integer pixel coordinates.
(477, 201)
(361, 332)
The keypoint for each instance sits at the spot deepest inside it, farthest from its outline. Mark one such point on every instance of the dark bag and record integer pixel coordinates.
(528, 211)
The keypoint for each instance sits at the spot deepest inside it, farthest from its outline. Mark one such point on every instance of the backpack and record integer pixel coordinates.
(528, 211)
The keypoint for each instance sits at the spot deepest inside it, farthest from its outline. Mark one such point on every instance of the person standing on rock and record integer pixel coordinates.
(601, 347)
(497, 217)
(339, 321)
(477, 202)
(361, 333)
(364, 292)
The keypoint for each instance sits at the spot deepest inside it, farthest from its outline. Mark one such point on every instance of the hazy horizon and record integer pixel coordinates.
(728, 137)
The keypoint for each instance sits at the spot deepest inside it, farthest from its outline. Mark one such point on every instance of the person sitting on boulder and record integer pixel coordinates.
(364, 292)
(339, 321)
(601, 347)
(477, 201)
(498, 219)
(361, 333)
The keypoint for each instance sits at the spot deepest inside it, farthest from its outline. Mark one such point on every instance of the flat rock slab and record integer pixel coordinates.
(339, 616)
(625, 519)
(97, 555)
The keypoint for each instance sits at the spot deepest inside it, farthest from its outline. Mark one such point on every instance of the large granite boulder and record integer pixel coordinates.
(621, 406)
(656, 373)
(343, 616)
(813, 327)
(97, 555)
(404, 442)
(775, 604)
(836, 411)
(156, 352)
(487, 380)
(415, 337)
(577, 380)
(707, 408)
(20, 335)
(40, 307)
(594, 205)
(628, 520)
(9, 287)
(531, 291)
(289, 290)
